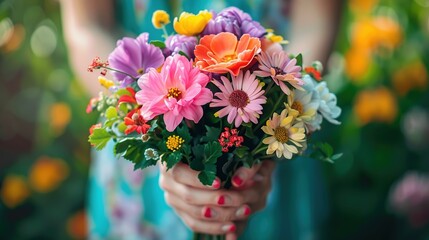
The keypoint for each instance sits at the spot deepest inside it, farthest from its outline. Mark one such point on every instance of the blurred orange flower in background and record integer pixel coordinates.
(47, 174)
(378, 105)
(59, 115)
(411, 76)
(14, 190)
(77, 225)
(362, 6)
(369, 36)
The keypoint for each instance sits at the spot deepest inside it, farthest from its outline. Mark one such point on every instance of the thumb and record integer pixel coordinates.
(244, 174)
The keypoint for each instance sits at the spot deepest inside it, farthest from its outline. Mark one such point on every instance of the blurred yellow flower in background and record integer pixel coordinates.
(14, 190)
(411, 76)
(77, 225)
(59, 116)
(190, 24)
(47, 174)
(378, 105)
(160, 18)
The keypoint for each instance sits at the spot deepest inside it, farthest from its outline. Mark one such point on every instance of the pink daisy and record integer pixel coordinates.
(177, 92)
(241, 100)
(281, 69)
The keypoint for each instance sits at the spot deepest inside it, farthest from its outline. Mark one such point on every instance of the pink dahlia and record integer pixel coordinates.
(241, 99)
(281, 69)
(177, 92)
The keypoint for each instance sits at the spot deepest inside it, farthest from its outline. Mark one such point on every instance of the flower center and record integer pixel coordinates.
(276, 71)
(140, 71)
(298, 106)
(239, 98)
(281, 134)
(138, 119)
(228, 58)
(174, 93)
(174, 142)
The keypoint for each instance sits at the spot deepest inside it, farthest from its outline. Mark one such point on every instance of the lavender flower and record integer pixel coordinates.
(235, 21)
(180, 43)
(134, 57)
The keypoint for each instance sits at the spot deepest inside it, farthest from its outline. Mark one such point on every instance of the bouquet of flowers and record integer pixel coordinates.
(218, 94)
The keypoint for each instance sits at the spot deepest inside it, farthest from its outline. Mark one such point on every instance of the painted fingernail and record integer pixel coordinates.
(229, 228)
(238, 180)
(221, 200)
(208, 213)
(244, 211)
(216, 183)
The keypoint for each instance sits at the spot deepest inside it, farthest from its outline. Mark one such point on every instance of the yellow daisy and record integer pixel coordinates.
(286, 135)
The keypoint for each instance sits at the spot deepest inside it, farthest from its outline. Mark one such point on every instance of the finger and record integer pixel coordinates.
(264, 173)
(195, 196)
(208, 213)
(182, 173)
(214, 228)
(241, 226)
(243, 174)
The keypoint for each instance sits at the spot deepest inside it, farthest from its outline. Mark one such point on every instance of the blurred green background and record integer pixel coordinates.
(378, 70)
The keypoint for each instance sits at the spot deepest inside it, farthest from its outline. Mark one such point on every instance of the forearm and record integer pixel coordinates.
(89, 31)
(314, 27)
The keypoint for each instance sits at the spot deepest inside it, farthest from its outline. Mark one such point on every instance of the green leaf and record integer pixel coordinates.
(207, 177)
(123, 91)
(197, 162)
(111, 112)
(158, 43)
(99, 138)
(326, 149)
(212, 151)
(249, 133)
(299, 60)
(183, 131)
(184, 54)
(173, 159)
(212, 134)
(241, 152)
(144, 164)
(153, 125)
(135, 152)
(122, 146)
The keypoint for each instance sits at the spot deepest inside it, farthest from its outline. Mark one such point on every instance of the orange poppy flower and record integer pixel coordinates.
(223, 53)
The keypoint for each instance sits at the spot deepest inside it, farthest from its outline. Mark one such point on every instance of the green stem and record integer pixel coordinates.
(270, 85)
(129, 75)
(165, 32)
(271, 113)
(259, 150)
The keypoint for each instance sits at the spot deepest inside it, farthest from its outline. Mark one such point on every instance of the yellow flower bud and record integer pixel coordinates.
(190, 24)
(160, 18)
(105, 82)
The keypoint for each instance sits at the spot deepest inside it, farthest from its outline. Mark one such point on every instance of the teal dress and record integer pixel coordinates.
(128, 204)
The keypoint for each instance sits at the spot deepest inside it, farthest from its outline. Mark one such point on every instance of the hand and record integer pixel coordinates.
(206, 209)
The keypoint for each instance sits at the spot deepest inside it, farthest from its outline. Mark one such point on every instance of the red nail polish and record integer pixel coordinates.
(216, 184)
(237, 180)
(232, 228)
(208, 213)
(247, 211)
(221, 200)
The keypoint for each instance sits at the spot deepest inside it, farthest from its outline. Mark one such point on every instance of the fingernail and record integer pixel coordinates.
(243, 211)
(221, 200)
(229, 228)
(216, 183)
(238, 179)
(208, 213)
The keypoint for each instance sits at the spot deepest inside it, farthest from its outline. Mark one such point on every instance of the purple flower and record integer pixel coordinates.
(410, 197)
(134, 57)
(235, 21)
(176, 43)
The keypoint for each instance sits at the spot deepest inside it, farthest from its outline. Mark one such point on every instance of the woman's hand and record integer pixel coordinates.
(208, 209)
